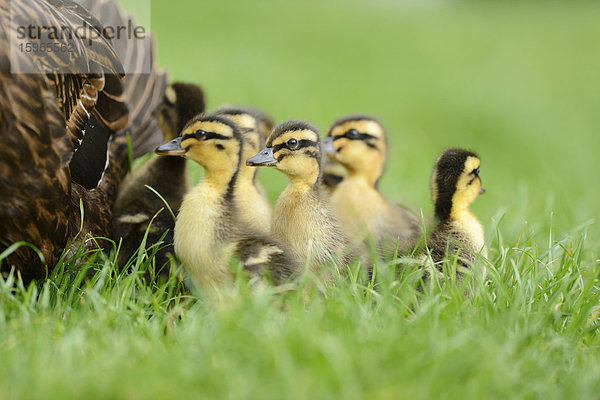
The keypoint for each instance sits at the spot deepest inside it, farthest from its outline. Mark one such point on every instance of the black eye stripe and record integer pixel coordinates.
(371, 145)
(311, 153)
(207, 136)
(361, 136)
(301, 144)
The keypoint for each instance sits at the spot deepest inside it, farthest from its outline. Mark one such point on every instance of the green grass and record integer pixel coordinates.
(516, 82)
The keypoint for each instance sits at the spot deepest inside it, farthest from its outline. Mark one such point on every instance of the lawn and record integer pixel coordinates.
(517, 82)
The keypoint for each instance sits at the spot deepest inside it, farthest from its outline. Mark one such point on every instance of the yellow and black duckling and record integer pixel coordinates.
(252, 201)
(136, 205)
(209, 230)
(60, 129)
(302, 217)
(359, 143)
(455, 184)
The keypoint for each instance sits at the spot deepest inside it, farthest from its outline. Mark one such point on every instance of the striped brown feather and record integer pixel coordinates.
(144, 84)
(46, 119)
(34, 173)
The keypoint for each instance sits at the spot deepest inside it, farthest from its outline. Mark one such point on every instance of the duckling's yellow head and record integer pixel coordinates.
(263, 120)
(359, 143)
(294, 148)
(247, 119)
(455, 182)
(212, 141)
(182, 101)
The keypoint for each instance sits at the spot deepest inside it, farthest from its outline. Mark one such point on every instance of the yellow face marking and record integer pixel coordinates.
(472, 163)
(468, 186)
(358, 157)
(252, 139)
(365, 126)
(297, 164)
(245, 121)
(208, 126)
(215, 155)
(171, 95)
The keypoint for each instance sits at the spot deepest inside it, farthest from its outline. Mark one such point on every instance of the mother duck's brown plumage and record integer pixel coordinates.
(61, 140)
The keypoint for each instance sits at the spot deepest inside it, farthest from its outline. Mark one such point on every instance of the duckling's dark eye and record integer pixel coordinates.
(353, 134)
(476, 171)
(200, 133)
(292, 144)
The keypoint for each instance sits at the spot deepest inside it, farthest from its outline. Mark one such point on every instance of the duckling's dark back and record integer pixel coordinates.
(137, 205)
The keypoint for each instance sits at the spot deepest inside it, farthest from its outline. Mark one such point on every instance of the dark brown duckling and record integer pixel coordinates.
(137, 205)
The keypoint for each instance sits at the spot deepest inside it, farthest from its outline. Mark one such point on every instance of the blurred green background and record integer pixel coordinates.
(517, 82)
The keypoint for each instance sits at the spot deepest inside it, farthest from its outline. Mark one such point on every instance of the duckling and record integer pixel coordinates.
(359, 143)
(136, 205)
(252, 202)
(302, 217)
(62, 135)
(455, 184)
(209, 230)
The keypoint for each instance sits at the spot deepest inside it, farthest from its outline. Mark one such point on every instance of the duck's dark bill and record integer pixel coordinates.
(172, 148)
(264, 157)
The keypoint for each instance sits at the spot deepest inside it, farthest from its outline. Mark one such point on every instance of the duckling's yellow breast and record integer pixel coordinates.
(203, 254)
(254, 208)
(305, 223)
(467, 223)
(358, 206)
(362, 209)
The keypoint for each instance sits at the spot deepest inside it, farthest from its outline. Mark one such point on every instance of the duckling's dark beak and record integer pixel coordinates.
(264, 157)
(327, 146)
(482, 190)
(172, 148)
